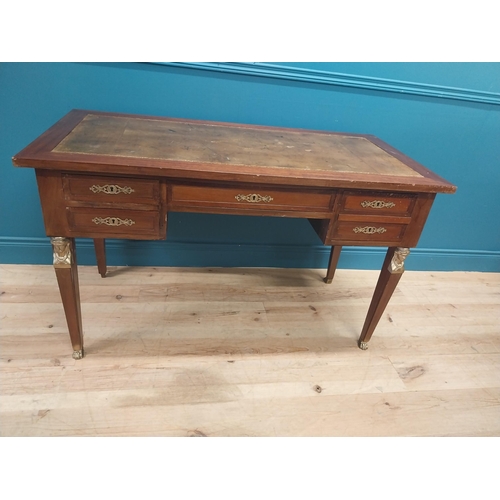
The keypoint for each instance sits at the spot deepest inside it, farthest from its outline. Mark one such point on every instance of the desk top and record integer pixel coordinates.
(132, 144)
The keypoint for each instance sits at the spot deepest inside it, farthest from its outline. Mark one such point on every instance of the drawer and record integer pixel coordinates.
(377, 203)
(111, 189)
(249, 198)
(110, 222)
(354, 231)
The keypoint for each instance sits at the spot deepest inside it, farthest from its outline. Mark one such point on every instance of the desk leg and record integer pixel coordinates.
(332, 264)
(392, 270)
(100, 253)
(67, 279)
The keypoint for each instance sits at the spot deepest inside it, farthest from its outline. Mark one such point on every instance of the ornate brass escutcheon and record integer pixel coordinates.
(377, 204)
(370, 230)
(111, 189)
(254, 198)
(113, 221)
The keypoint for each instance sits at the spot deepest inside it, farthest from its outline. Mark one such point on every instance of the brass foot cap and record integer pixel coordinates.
(363, 345)
(327, 281)
(78, 354)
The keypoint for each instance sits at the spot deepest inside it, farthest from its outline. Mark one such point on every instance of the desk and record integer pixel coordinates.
(108, 175)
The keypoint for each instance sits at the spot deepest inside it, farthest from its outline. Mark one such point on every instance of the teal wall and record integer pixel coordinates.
(444, 115)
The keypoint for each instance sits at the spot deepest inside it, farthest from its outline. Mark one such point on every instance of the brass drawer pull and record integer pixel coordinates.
(113, 221)
(377, 204)
(369, 230)
(111, 189)
(253, 198)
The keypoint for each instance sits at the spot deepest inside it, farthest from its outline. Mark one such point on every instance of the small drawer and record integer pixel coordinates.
(111, 189)
(377, 203)
(368, 231)
(249, 198)
(101, 222)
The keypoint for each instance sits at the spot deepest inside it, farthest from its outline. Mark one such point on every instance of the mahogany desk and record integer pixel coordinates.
(108, 175)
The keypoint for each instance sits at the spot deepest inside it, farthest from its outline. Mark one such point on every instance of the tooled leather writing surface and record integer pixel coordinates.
(225, 144)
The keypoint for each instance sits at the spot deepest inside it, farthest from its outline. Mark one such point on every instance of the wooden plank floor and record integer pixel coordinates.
(249, 352)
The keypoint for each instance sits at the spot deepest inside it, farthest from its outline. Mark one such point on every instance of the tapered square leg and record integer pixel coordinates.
(392, 270)
(100, 253)
(67, 279)
(332, 264)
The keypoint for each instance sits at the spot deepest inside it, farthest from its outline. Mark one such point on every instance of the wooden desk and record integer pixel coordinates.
(107, 175)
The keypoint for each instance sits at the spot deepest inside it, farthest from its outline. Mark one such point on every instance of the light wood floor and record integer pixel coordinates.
(249, 352)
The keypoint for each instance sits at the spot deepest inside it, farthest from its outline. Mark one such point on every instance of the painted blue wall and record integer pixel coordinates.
(444, 115)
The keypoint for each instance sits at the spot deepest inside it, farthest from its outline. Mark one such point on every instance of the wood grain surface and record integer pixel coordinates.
(249, 352)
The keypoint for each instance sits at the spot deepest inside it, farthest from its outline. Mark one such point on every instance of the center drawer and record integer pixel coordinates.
(245, 198)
